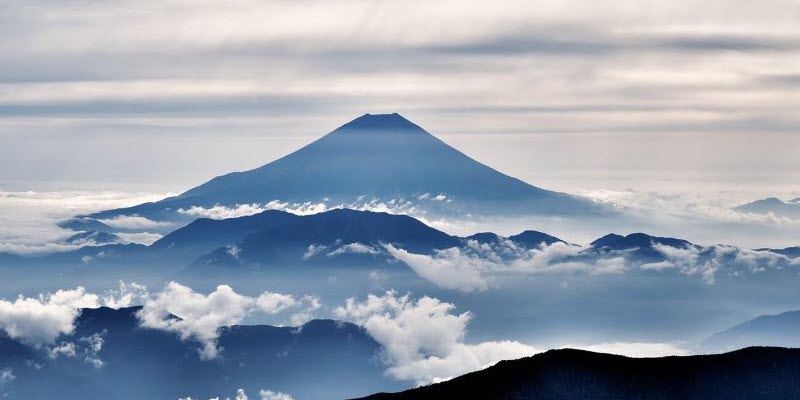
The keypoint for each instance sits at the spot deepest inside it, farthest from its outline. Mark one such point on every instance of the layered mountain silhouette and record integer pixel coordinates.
(274, 239)
(381, 156)
(142, 363)
(753, 373)
(766, 330)
(343, 238)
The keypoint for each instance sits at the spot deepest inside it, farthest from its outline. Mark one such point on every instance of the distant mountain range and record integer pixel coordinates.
(382, 156)
(278, 239)
(766, 330)
(344, 238)
(787, 209)
(755, 373)
(141, 363)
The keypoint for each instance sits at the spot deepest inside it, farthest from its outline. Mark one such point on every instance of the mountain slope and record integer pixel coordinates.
(203, 234)
(754, 373)
(766, 330)
(376, 156)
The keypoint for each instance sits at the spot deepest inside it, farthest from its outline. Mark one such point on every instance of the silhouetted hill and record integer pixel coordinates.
(533, 239)
(753, 373)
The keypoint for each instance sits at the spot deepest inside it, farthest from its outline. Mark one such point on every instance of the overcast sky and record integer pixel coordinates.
(678, 95)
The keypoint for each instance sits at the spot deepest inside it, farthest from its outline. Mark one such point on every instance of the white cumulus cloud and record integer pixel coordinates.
(264, 394)
(40, 320)
(424, 339)
(271, 395)
(200, 316)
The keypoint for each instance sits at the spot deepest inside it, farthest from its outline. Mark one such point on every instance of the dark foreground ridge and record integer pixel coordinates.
(751, 373)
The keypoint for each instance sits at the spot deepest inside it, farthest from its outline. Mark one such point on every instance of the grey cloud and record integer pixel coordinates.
(596, 43)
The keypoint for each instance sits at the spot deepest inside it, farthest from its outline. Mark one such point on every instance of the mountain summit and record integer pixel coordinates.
(381, 156)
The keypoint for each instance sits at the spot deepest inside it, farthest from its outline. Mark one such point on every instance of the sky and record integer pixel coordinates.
(680, 108)
(575, 96)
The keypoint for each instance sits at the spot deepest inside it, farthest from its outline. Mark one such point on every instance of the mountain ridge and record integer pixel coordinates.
(752, 373)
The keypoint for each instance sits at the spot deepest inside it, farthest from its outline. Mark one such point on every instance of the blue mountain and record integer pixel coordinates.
(272, 238)
(533, 239)
(94, 237)
(204, 234)
(638, 244)
(787, 209)
(141, 363)
(528, 239)
(82, 224)
(340, 235)
(376, 156)
(766, 330)
(791, 252)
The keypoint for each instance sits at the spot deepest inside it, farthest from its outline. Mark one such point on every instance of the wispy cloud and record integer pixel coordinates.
(134, 222)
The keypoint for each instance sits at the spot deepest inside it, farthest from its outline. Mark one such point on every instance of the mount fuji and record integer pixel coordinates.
(383, 157)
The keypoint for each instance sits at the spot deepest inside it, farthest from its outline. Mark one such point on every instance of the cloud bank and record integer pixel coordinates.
(482, 266)
(28, 220)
